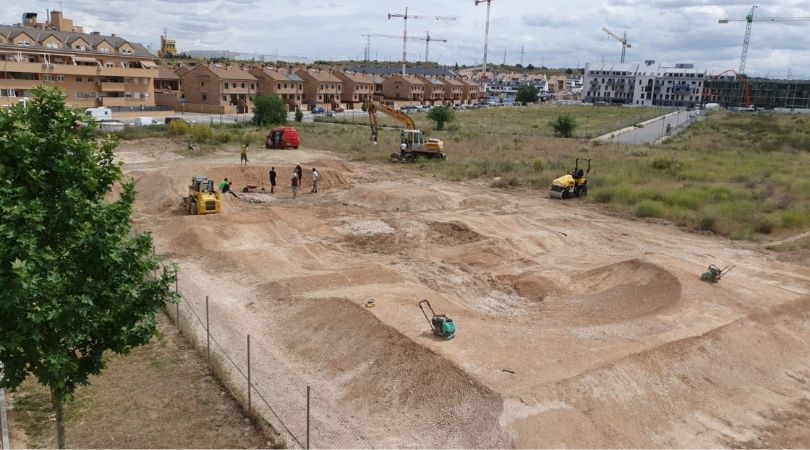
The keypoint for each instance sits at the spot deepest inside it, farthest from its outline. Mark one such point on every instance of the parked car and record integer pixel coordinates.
(318, 110)
(282, 137)
(339, 109)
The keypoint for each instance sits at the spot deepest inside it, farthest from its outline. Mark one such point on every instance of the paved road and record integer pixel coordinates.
(654, 131)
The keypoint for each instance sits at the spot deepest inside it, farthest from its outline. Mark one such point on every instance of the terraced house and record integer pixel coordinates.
(93, 69)
(321, 88)
(218, 89)
(288, 86)
(357, 88)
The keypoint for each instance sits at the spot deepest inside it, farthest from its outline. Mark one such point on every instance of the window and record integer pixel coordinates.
(47, 78)
(24, 43)
(104, 50)
(60, 78)
(226, 85)
(90, 95)
(79, 94)
(252, 86)
(109, 64)
(224, 98)
(202, 83)
(204, 97)
(78, 79)
(52, 45)
(243, 85)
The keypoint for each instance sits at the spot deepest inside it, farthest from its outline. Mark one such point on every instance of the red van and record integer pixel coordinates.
(282, 137)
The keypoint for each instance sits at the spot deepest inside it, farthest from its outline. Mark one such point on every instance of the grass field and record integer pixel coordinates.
(737, 175)
(159, 396)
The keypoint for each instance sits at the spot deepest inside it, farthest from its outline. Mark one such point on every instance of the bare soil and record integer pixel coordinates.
(158, 396)
(605, 337)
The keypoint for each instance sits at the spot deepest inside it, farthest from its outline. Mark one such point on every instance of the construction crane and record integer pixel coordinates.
(486, 39)
(749, 20)
(405, 18)
(426, 39)
(621, 39)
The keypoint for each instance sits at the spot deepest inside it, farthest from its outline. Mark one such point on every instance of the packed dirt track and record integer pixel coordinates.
(575, 329)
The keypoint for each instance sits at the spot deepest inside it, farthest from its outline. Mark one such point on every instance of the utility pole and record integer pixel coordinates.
(504, 57)
(405, 18)
(486, 39)
(522, 48)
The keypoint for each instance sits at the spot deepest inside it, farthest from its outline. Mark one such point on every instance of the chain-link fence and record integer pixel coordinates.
(302, 411)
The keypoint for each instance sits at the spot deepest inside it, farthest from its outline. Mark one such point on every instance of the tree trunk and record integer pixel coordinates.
(56, 398)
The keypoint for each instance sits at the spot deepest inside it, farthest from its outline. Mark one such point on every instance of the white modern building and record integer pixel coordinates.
(642, 84)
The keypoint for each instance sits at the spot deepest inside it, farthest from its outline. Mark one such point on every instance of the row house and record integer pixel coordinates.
(218, 89)
(321, 88)
(288, 86)
(408, 88)
(434, 90)
(470, 90)
(454, 90)
(357, 88)
(93, 69)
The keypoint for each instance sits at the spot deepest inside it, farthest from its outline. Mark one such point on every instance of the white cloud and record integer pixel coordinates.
(560, 34)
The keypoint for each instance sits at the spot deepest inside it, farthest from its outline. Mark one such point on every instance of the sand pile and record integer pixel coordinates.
(382, 371)
(617, 292)
(390, 196)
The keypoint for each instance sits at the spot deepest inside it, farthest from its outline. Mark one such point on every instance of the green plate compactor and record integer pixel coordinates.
(441, 325)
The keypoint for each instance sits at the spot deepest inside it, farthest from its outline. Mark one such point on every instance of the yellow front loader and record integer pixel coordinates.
(202, 197)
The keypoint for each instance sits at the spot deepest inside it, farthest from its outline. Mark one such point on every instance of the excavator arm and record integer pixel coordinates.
(373, 107)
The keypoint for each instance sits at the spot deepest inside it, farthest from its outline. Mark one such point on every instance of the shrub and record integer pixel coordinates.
(200, 134)
(764, 224)
(537, 165)
(179, 128)
(299, 115)
(604, 196)
(221, 137)
(665, 163)
(649, 208)
(564, 125)
(706, 223)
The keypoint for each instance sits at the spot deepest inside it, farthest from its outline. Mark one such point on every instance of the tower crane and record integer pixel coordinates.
(486, 40)
(749, 20)
(622, 39)
(426, 39)
(405, 18)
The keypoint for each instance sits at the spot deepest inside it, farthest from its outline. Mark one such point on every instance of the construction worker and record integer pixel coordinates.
(243, 155)
(315, 179)
(402, 148)
(272, 180)
(225, 187)
(298, 170)
(294, 183)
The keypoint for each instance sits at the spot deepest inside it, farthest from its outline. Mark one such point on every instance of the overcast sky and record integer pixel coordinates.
(557, 34)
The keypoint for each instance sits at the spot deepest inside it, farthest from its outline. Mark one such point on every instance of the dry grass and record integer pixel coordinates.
(159, 396)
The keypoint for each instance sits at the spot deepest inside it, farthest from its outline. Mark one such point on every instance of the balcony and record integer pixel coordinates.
(107, 86)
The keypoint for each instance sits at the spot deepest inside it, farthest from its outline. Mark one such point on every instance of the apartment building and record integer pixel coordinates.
(93, 69)
(357, 88)
(218, 89)
(434, 90)
(321, 88)
(281, 82)
(680, 85)
(168, 88)
(408, 88)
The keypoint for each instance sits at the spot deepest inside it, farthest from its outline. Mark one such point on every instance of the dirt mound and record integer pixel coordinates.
(534, 286)
(453, 233)
(383, 371)
(617, 292)
(390, 196)
(158, 192)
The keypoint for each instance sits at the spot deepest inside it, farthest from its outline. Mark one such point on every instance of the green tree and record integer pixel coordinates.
(269, 109)
(75, 278)
(441, 115)
(299, 115)
(526, 93)
(564, 125)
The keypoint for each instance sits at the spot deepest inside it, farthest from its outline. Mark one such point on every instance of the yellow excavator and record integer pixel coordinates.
(412, 141)
(202, 197)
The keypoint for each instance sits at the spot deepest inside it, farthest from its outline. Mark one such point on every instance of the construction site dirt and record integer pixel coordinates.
(603, 336)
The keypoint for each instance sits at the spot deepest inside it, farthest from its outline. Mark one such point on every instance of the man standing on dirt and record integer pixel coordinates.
(272, 180)
(243, 155)
(315, 179)
(298, 170)
(294, 183)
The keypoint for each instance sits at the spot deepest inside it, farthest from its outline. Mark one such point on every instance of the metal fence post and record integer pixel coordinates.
(250, 409)
(207, 334)
(177, 305)
(307, 417)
